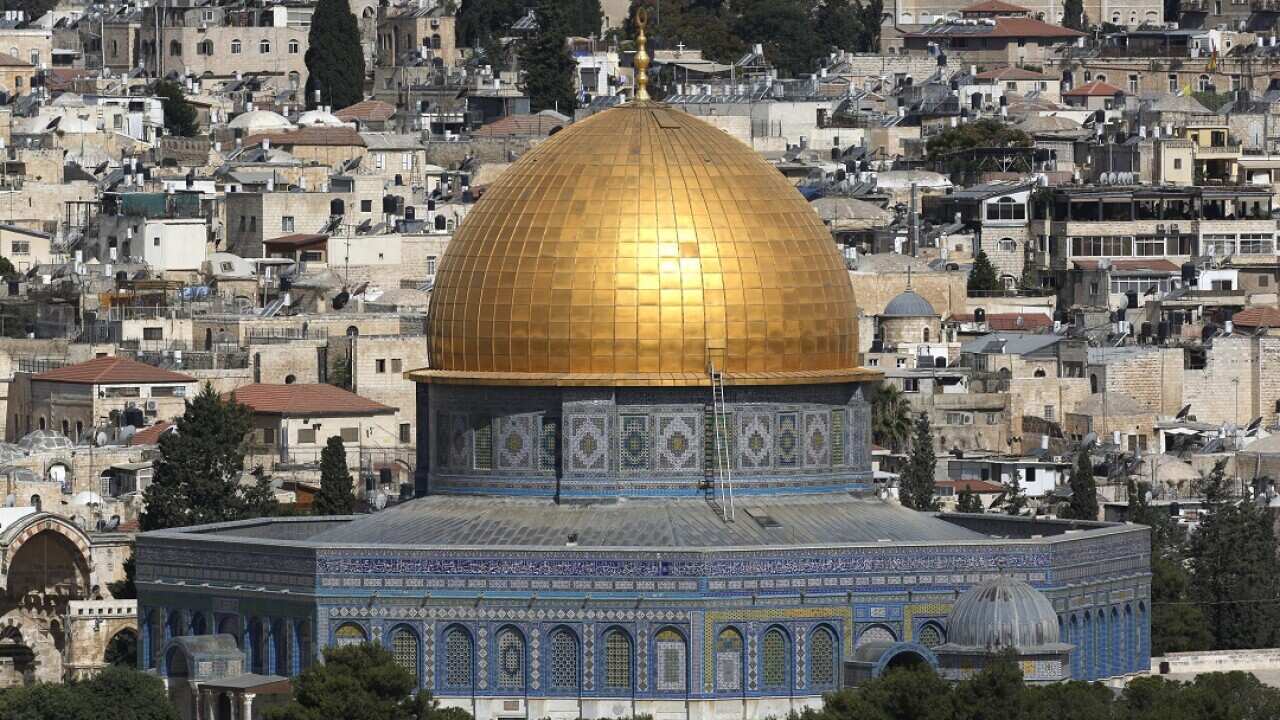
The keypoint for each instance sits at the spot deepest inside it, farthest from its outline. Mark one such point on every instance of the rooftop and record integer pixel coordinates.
(309, 399)
(111, 371)
(1097, 88)
(367, 111)
(310, 136)
(1009, 321)
(1257, 317)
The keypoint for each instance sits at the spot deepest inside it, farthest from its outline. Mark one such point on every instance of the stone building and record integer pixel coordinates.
(644, 469)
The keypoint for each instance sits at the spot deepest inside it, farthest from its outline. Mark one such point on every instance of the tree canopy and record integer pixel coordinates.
(548, 66)
(198, 474)
(335, 496)
(335, 56)
(1084, 489)
(116, 692)
(1073, 15)
(890, 417)
(1177, 622)
(983, 280)
(179, 115)
(917, 490)
(951, 151)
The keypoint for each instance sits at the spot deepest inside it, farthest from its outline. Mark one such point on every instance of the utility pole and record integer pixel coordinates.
(913, 223)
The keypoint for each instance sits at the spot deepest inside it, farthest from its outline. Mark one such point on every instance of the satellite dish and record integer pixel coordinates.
(1182, 414)
(341, 299)
(1253, 425)
(126, 432)
(379, 500)
(1089, 440)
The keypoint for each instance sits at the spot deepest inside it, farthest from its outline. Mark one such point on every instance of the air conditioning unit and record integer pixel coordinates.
(1160, 228)
(151, 405)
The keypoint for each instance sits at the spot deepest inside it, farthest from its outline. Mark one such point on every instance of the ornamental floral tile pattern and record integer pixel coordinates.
(459, 455)
(678, 443)
(757, 440)
(817, 439)
(858, 450)
(633, 443)
(588, 443)
(549, 441)
(515, 442)
(788, 440)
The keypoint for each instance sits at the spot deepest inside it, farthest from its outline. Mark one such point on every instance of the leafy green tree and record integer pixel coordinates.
(548, 66)
(1074, 700)
(116, 692)
(480, 22)
(1084, 489)
(969, 502)
(910, 693)
(952, 150)
(839, 24)
(1013, 500)
(1235, 695)
(6, 268)
(917, 481)
(1178, 624)
(198, 475)
(359, 682)
(709, 25)
(869, 14)
(125, 589)
(335, 58)
(341, 376)
(982, 277)
(1234, 570)
(179, 115)
(890, 417)
(335, 496)
(995, 693)
(786, 32)
(122, 649)
(1073, 15)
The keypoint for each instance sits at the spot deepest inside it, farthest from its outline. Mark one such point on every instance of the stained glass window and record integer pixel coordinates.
(510, 660)
(822, 658)
(729, 660)
(670, 661)
(564, 661)
(404, 647)
(617, 661)
(457, 662)
(930, 636)
(349, 634)
(775, 659)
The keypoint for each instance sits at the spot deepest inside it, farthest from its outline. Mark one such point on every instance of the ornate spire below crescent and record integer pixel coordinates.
(642, 56)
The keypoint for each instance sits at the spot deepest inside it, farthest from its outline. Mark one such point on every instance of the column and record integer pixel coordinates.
(246, 707)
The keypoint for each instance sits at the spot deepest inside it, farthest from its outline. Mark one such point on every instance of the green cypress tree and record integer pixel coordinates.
(982, 277)
(1084, 489)
(1073, 14)
(179, 115)
(335, 60)
(548, 66)
(335, 496)
(969, 502)
(198, 476)
(917, 487)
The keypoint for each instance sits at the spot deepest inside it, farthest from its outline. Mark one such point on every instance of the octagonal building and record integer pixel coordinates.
(644, 481)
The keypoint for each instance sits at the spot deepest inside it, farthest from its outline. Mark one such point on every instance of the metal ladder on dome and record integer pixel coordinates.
(720, 425)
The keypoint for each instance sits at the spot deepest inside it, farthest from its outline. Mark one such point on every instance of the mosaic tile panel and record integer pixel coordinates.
(633, 443)
(515, 442)
(817, 439)
(859, 448)
(588, 443)
(459, 452)
(483, 441)
(838, 432)
(757, 440)
(678, 443)
(709, 421)
(549, 444)
(788, 440)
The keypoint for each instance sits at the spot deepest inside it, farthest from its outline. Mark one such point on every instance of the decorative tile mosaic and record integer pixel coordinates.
(633, 443)
(859, 447)
(549, 445)
(817, 439)
(588, 443)
(756, 447)
(483, 441)
(459, 456)
(787, 441)
(515, 442)
(678, 443)
(838, 439)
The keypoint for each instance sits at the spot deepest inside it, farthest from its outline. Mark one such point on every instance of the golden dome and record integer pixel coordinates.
(632, 248)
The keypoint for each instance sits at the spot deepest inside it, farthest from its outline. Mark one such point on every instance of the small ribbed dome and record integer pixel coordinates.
(319, 118)
(909, 304)
(259, 120)
(1000, 614)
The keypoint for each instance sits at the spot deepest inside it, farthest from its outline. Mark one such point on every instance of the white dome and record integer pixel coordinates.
(258, 120)
(321, 118)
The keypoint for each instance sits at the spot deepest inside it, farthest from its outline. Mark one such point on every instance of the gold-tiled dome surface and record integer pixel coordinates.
(628, 244)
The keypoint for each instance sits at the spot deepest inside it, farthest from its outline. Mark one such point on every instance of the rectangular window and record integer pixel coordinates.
(286, 223)
(268, 436)
(1256, 244)
(379, 160)
(20, 247)
(121, 392)
(1149, 246)
(993, 418)
(168, 391)
(350, 434)
(1173, 83)
(153, 333)
(404, 433)
(911, 385)
(1177, 163)
(1049, 413)
(380, 365)
(1133, 84)
(312, 256)
(366, 206)
(959, 418)
(306, 436)
(406, 161)
(395, 365)
(431, 265)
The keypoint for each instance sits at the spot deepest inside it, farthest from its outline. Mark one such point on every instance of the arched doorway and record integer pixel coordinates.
(45, 572)
(224, 706)
(122, 649)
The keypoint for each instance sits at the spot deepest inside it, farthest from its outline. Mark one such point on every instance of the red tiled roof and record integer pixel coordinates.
(306, 400)
(1097, 88)
(527, 125)
(1004, 28)
(297, 240)
(1257, 317)
(1009, 321)
(7, 60)
(1011, 73)
(993, 6)
(1148, 265)
(151, 435)
(112, 370)
(366, 111)
(309, 136)
(978, 486)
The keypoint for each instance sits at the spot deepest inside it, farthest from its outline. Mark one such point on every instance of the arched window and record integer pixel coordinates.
(205, 47)
(1088, 665)
(670, 667)
(564, 661)
(349, 634)
(457, 658)
(280, 638)
(930, 636)
(1039, 372)
(175, 48)
(729, 660)
(176, 627)
(42, 421)
(510, 659)
(1203, 83)
(1007, 245)
(435, 41)
(294, 47)
(617, 661)
(1130, 641)
(925, 335)
(1116, 644)
(36, 503)
(822, 658)
(773, 661)
(235, 47)
(404, 648)
(264, 46)
(1100, 645)
(877, 634)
